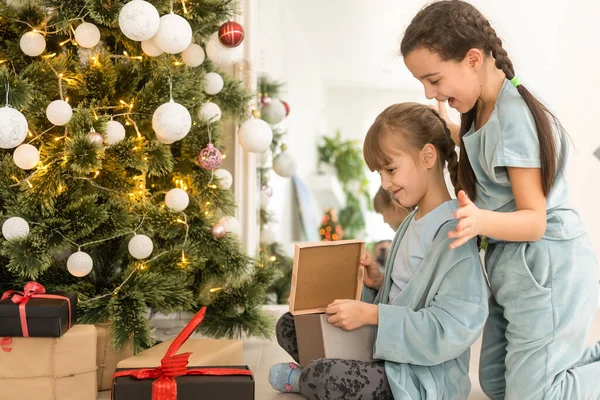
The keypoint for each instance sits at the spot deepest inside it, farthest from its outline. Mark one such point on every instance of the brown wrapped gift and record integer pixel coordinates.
(107, 356)
(51, 368)
(204, 352)
(322, 273)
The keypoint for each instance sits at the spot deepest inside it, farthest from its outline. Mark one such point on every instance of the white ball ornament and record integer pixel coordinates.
(13, 128)
(174, 34)
(15, 228)
(284, 164)
(255, 135)
(87, 35)
(26, 156)
(140, 247)
(224, 177)
(79, 264)
(171, 122)
(150, 48)
(33, 44)
(274, 112)
(115, 131)
(213, 83)
(222, 55)
(209, 112)
(193, 56)
(139, 20)
(177, 199)
(231, 225)
(267, 236)
(59, 112)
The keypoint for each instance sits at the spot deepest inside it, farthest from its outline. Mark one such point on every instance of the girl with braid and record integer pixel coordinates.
(540, 262)
(429, 306)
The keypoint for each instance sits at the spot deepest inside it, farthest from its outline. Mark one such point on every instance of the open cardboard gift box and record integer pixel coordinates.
(322, 273)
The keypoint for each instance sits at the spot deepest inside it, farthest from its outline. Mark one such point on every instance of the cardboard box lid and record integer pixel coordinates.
(325, 271)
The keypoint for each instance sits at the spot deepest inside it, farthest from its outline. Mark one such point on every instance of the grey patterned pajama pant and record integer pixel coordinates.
(332, 379)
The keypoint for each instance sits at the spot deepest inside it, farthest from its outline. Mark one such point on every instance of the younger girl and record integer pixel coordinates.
(540, 262)
(431, 303)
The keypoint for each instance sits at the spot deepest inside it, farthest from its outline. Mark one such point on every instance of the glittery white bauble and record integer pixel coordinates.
(140, 246)
(150, 48)
(59, 112)
(95, 138)
(15, 228)
(174, 34)
(222, 55)
(274, 112)
(224, 177)
(193, 56)
(171, 122)
(139, 20)
(115, 131)
(79, 264)
(264, 200)
(284, 164)
(87, 35)
(13, 128)
(213, 83)
(209, 112)
(255, 135)
(33, 44)
(177, 199)
(267, 236)
(231, 225)
(26, 156)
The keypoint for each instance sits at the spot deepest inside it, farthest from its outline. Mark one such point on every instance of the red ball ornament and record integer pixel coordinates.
(231, 34)
(287, 107)
(210, 157)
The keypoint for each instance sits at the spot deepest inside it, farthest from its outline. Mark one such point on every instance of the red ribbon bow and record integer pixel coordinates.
(5, 344)
(174, 365)
(32, 290)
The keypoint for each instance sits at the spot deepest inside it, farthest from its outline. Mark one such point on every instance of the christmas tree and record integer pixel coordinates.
(108, 152)
(330, 229)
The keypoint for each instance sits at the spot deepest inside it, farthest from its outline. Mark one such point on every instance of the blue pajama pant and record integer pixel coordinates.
(544, 300)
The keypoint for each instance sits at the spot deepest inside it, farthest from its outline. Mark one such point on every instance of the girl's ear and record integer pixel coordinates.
(474, 59)
(428, 156)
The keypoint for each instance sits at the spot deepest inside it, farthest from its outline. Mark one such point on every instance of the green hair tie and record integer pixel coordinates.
(515, 81)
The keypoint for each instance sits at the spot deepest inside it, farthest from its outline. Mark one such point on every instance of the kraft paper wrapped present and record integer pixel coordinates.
(322, 273)
(50, 368)
(107, 357)
(182, 369)
(204, 352)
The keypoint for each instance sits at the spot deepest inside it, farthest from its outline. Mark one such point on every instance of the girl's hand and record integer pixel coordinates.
(469, 225)
(373, 277)
(352, 314)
